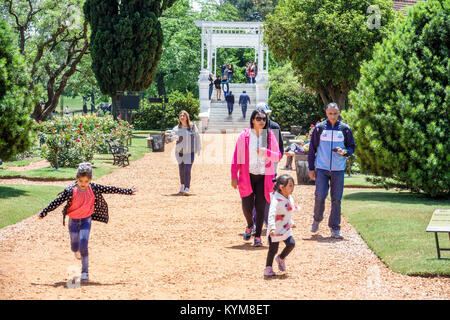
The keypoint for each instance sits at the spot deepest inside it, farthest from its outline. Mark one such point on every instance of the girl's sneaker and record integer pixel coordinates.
(186, 192)
(78, 255)
(247, 234)
(181, 189)
(281, 263)
(84, 277)
(268, 271)
(257, 242)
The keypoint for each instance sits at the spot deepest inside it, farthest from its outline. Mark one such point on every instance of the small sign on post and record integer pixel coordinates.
(440, 222)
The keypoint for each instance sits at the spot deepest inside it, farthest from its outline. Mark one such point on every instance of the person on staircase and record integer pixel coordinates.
(217, 83)
(230, 103)
(225, 86)
(244, 101)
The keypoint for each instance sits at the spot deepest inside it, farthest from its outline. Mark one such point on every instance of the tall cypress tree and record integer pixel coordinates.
(126, 43)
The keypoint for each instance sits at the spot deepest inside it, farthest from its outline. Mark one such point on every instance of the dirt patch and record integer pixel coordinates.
(161, 246)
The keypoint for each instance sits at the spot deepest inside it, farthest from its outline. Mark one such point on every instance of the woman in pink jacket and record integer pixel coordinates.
(252, 170)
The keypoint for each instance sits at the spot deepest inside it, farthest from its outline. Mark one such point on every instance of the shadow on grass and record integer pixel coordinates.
(82, 284)
(8, 192)
(407, 198)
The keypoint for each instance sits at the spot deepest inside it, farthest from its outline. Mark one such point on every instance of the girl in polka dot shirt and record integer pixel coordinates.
(84, 204)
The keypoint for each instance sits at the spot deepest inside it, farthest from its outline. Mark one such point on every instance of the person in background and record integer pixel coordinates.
(188, 144)
(225, 86)
(230, 72)
(291, 151)
(211, 84)
(217, 83)
(244, 101)
(230, 103)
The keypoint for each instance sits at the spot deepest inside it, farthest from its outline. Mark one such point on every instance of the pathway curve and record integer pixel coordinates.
(161, 246)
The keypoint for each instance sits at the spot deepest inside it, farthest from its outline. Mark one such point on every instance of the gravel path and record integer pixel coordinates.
(161, 246)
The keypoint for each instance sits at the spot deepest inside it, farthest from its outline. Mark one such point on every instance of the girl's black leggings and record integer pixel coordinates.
(273, 249)
(256, 200)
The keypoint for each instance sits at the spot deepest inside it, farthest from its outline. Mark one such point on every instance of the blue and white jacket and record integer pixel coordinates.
(325, 138)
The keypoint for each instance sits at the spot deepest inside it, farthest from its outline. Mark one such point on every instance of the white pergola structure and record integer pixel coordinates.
(219, 34)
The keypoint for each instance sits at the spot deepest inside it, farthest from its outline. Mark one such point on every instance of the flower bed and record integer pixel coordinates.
(67, 142)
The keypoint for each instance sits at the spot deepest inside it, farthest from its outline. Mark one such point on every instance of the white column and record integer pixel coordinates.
(202, 64)
(215, 60)
(209, 53)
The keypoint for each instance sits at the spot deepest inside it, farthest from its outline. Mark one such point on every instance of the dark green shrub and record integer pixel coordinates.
(292, 104)
(152, 116)
(400, 114)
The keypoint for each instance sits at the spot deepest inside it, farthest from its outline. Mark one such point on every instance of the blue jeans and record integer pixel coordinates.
(79, 230)
(230, 77)
(225, 89)
(244, 110)
(210, 91)
(230, 107)
(335, 181)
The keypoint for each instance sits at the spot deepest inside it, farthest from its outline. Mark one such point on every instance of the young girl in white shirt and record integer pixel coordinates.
(280, 223)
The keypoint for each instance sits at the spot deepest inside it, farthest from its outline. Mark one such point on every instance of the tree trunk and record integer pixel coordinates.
(160, 84)
(115, 105)
(337, 94)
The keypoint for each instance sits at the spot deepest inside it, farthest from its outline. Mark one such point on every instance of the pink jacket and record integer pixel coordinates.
(240, 164)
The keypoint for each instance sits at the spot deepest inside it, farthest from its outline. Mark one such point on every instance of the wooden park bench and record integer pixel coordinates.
(440, 222)
(120, 153)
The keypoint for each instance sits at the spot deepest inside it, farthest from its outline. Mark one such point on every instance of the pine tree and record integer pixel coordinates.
(126, 43)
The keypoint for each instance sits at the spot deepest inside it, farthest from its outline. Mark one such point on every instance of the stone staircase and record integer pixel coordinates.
(218, 116)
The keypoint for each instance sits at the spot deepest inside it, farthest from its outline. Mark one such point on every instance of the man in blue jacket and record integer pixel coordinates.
(331, 142)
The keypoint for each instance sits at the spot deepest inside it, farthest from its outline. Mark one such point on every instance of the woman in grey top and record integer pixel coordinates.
(188, 144)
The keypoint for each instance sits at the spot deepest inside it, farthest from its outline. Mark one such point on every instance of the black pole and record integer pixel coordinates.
(437, 245)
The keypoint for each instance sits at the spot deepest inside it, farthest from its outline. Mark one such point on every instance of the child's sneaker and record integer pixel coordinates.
(78, 255)
(84, 277)
(186, 192)
(181, 189)
(268, 271)
(257, 242)
(281, 263)
(247, 233)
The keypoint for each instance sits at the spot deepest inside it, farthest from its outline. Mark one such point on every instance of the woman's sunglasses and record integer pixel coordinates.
(258, 118)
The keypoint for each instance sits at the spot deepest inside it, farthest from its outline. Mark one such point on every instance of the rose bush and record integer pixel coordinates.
(67, 142)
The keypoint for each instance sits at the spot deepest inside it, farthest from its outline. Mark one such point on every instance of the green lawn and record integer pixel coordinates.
(24, 201)
(358, 180)
(393, 225)
(21, 163)
(102, 164)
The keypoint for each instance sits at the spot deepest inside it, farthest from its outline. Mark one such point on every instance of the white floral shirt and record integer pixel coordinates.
(280, 216)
